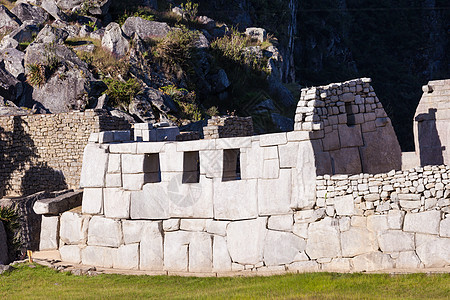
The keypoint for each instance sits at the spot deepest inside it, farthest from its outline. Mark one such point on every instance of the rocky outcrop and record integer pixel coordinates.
(50, 34)
(30, 13)
(13, 61)
(10, 88)
(114, 40)
(8, 21)
(51, 7)
(145, 29)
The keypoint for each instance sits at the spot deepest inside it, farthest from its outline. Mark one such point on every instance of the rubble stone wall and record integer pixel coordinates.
(44, 152)
(228, 126)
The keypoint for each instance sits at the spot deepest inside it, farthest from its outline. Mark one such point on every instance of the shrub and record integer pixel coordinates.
(141, 12)
(36, 74)
(10, 219)
(174, 52)
(185, 100)
(212, 111)
(189, 10)
(120, 92)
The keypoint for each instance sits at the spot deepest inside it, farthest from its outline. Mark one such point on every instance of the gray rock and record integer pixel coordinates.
(99, 7)
(25, 33)
(323, 239)
(8, 20)
(142, 109)
(256, 33)
(145, 29)
(283, 123)
(4, 258)
(219, 81)
(423, 222)
(32, 13)
(8, 43)
(5, 268)
(72, 29)
(13, 60)
(69, 4)
(102, 101)
(201, 41)
(104, 232)
(10, 88)
(123, 115)
(51, 7)
(434, 253)
(50, 34)
(49, 237)
(162, 102)
(114, 40)
(281, 247)
(207, 22)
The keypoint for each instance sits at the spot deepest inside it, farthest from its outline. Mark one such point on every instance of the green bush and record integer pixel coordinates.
(36, 74)
(189, 10)
(175, 51)
(185, 100)
(121, 93)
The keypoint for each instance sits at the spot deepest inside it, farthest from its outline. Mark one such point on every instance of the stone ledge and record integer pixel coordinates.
(58, 204)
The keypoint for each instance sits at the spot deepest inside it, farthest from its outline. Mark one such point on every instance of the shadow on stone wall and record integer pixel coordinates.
(429, 142)
(17, 156)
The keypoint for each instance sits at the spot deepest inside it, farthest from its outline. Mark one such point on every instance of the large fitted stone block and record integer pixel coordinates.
(221, 257)
(132, 230)
(357, 241)
(211, 163)
(407, 260)
(113, 180)
(344, 205)
(73, 228)
(273, 139)
(171, 160)
(151, 247)
(274, 195)
(271, 168)
(423, 222)
(377, 223)
(49, 237)
(134, 163)
(193, 200)
(234, 142)
(150, 203)
(252, 162)
(346, 161)
(133, 182)
(304, 177)
(444, 227)
(200, 252)
(92, 201)
(435, 252)
(245, 240)
(395, 219)
(127, 257)
(288, 155)
(114, 163)
(70, 254)
(104, 232)
(281, 247)
(95, 164)
(372, 262)
(331, 141)
(350, 136)
(116, 203)
(98, 256)
(217, 227)
(176, 247)
(282, 222)
(236, 199)
(323, 239)
(395, 241)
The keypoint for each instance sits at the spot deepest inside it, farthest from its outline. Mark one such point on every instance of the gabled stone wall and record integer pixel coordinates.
(349, 128)
(44, 152)
(432, 124)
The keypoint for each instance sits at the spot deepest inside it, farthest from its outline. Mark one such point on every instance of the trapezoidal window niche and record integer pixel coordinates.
(350, 111)
(231, 164)
(152, 168)
(191, 167)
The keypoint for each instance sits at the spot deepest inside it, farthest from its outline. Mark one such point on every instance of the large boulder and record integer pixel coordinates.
(25, 33)
(53, 9)
(31, 13)
(50, 34)
(8, 20)
(13, 61)
(142, 109)
(10, 88)
(68, 83)
(114, 40)
(145, 29)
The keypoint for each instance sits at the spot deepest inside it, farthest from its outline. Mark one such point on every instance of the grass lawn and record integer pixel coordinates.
(44, 283)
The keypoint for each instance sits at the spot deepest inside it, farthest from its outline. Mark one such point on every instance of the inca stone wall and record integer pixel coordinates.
(44, 152)
(432, 124)
(349, 128)
(229, 126)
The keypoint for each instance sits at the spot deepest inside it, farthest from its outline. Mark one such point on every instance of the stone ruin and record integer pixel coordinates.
(327, 196)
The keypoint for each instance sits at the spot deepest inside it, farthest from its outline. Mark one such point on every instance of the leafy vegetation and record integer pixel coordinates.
(186, 101)
(10, 219)
(121, 92)
(189, 10)
(43, 283)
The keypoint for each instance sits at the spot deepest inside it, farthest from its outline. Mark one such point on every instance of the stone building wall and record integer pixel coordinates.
(349, 128)
(432, 124)
(228, 126)
(44, 152)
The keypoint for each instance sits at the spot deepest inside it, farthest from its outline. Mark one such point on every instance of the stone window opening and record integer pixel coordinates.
(231, 165)
(152, 168)
(350, 114)
(191, 167)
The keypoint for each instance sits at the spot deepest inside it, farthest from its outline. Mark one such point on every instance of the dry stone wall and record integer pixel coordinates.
(44, 152)
(228, 126)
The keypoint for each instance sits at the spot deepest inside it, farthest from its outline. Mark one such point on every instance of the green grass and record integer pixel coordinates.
(44, 283)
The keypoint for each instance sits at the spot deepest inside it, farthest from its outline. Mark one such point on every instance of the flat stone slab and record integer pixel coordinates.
(59, 204)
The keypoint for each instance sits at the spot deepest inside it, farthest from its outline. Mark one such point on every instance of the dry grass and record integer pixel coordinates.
(9, 4)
